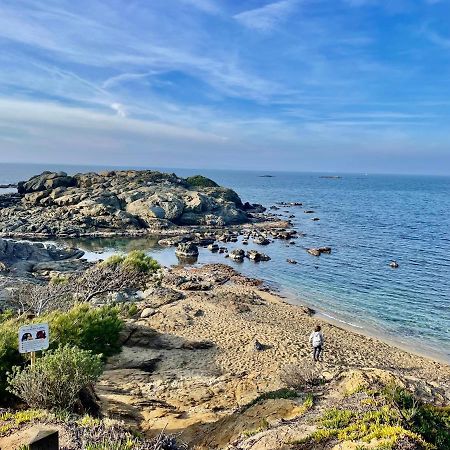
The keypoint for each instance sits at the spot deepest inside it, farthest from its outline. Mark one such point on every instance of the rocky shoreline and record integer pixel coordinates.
(121, 203)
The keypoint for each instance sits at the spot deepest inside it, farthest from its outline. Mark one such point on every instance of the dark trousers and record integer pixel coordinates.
(317, 352)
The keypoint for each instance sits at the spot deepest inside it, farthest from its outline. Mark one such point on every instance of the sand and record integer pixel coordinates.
(188, 386)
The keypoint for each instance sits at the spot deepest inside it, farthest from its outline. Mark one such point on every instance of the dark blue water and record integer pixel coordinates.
(367, 220)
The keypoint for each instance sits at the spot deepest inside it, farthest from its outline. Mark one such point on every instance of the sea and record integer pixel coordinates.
(368, 220)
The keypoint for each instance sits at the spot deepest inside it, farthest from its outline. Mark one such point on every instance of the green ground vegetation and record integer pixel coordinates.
(394, 414)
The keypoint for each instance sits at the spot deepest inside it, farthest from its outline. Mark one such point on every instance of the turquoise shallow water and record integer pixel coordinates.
(367, 220)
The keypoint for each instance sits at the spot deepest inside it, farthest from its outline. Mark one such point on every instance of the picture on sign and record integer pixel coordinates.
(33, 338)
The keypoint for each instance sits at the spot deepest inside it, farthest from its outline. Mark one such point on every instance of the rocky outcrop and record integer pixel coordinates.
(46, 181)
(117, 202)
(21, 257)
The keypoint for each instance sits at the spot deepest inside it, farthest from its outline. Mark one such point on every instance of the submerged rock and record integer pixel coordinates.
(318, 251)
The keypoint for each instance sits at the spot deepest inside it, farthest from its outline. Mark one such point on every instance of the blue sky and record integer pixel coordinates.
(324, 85)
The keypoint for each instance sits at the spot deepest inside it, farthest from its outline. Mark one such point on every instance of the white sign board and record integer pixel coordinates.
(33, 338)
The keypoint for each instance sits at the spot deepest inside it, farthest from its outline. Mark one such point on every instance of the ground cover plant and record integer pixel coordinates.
(391, 417)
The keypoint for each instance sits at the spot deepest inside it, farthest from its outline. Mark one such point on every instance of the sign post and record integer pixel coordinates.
(33, 338)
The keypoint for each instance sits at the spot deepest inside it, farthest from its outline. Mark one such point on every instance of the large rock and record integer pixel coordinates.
(187, 250)
(44, 181)
(237, 254)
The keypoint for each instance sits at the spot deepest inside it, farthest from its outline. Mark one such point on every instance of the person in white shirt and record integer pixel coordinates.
(316, 339)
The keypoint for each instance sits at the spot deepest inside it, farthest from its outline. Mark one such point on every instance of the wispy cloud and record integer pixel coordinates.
(437, 39)
(165, 78)
(268, 16)
(126, 77)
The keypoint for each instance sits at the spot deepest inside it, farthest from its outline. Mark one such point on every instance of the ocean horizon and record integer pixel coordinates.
(367, 219)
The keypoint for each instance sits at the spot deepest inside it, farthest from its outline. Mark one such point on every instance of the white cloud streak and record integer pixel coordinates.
(268, 16)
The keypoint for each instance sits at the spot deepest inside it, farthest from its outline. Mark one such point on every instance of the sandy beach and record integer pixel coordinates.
(202, 364)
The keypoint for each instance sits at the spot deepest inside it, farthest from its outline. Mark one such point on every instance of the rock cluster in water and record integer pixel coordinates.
(117, 202)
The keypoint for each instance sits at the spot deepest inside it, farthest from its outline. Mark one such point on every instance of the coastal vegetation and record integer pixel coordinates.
(57, 378)
(387, 417)
(83, 326)
(200, 181)
(65, 303)
(116, 274)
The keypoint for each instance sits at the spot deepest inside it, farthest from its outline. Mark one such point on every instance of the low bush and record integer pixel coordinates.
(95, 329)
(56, 379)
(136, 260)
(337, 418)
(397, 420)
(89, 328)
(98, 436)
(201, 181)
(12, 420)
(9, 352)
(431, 422)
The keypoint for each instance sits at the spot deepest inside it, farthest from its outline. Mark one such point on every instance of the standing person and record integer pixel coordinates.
(316, 339)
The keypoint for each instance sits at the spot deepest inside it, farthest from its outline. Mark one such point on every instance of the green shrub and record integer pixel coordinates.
(95, 329)
(308, 403)
(201, 181)
(6, 315)
(113, 260)
(56, 379)
(429, 421)
(136, 260)
(89, 328)
(9, 351)
(141, 262)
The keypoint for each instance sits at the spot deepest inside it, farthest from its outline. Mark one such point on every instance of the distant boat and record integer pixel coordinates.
(266, 176)
(333, 177)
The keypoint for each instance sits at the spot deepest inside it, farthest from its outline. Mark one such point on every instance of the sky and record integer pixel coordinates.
(304, 85)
